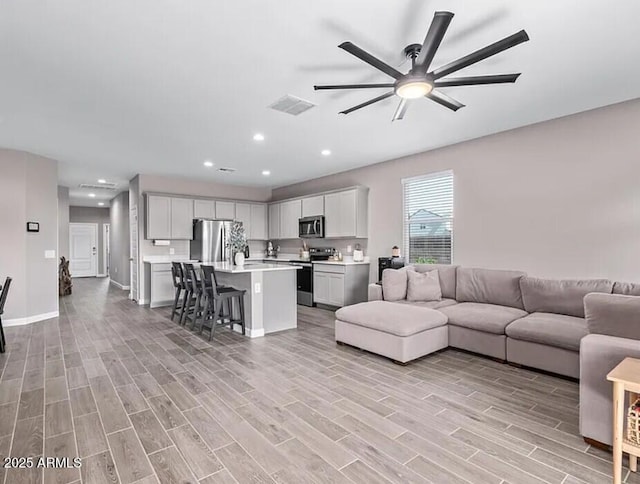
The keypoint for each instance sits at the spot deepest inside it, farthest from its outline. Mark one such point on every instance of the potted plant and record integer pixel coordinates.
(237, 242)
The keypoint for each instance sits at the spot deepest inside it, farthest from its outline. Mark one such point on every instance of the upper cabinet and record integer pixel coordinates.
(169, 217)
(274, 221)
(258, 221)
(313, 206)
(225, 210)
(254, 219)
(290, 213)
(346, 213)
(204, 209)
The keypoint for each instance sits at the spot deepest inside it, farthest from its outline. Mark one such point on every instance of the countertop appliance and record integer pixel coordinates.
(389, 263)
(210, 240)
(311, 227)
(305, 275)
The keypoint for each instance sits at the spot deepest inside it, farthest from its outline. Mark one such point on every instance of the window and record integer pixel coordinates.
(428, 218)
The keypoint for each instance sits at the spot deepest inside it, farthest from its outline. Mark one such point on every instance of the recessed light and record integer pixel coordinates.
(208, 163)
(266, 172)
(92, 195)
(258, 137)
(101, 203)
(102, 180)
(325, 152)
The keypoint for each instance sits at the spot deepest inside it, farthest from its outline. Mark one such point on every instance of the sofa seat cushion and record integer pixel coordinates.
(489, 318)
(443, 303)
(392, 318)
(550, 329)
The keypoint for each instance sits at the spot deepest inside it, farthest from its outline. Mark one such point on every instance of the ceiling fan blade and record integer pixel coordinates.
(445, 100)
(370, 101)
(476, 80)
(371, 60)
(438, 28)
(481, 54)
(401, 110)
(353, 86)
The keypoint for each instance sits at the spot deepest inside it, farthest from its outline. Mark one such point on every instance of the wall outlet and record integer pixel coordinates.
(49, 254)
(257, 288)
(172, 251)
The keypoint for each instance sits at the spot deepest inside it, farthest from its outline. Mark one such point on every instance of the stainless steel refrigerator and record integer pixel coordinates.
(210, 240)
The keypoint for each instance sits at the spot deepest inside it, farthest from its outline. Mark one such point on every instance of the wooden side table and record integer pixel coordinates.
(625, 378)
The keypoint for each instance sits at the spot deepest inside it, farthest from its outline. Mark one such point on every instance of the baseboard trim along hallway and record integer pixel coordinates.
(29, 319)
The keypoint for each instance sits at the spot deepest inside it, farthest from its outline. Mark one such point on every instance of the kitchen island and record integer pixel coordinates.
(271, 298)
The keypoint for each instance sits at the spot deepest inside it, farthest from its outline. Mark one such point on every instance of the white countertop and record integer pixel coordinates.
(166, 259)
(346, 262)
(229, 268)
(342, 262)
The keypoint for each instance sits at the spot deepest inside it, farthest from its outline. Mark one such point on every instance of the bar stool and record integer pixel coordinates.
(220, 306)
(3, 300)
(178, 283)
(194, 303)
(189, 298)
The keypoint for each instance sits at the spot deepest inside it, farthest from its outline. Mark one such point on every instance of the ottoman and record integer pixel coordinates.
(400, 332)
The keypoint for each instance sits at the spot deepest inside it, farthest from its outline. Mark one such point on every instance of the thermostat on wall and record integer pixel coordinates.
(33, 227)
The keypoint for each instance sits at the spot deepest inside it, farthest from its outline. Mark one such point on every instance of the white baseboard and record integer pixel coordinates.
(29, 319)
(120, 286)
(142, 302)
(254, 333)
(101, 275)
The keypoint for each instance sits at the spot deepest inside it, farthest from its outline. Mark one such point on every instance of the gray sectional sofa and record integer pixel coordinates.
(510, 316)
(577, 328)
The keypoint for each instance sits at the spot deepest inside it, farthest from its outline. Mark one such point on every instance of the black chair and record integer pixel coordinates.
(194, 304)
(178, 282)
(188, 298)
(220, 305)
(3, 300)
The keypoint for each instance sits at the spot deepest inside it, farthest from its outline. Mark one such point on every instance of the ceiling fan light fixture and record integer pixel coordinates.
(413, 88)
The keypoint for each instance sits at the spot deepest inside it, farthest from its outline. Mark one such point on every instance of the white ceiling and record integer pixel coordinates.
(116, 88)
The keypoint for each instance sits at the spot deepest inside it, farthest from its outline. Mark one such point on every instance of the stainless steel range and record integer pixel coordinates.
(305, 275)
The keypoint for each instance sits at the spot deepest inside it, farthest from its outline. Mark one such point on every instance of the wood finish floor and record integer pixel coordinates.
(142, 400)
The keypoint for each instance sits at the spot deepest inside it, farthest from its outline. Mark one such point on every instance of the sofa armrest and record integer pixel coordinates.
(613, 315)
(375, 292)
(599, 354)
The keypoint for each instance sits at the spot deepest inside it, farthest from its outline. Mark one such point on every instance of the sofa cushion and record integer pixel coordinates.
(613, 315)
(394, 284)
(489, 318)
(489, 286)
(446, 274)
(391, 318)
(626, 288)
(423, 286)
(443, 303)
(549, 329)
(560, 296)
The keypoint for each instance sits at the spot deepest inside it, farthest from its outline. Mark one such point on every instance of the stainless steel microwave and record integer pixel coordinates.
(311, 227)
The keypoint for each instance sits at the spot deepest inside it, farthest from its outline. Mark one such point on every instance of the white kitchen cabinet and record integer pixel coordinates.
(340, 285)
(162, 290)
(181, 218)
(346, 213)
(204, 209)
(290, 213)
(225, 210)
(274, 221)
(313, 206)
(243, 214)
(158, 217)
(258, 221)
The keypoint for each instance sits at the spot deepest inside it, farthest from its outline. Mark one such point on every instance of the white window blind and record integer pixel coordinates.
(428, 218)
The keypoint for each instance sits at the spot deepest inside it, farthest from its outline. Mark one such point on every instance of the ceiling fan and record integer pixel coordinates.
(419, 81)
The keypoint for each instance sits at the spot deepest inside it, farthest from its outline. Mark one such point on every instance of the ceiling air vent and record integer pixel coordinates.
(226, 170)
(102, 186)
(291, 105)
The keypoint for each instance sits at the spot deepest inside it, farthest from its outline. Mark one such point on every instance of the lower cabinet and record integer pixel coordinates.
(340, 285)
(162, 290)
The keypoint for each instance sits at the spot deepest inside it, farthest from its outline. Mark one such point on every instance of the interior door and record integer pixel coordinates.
(83, 250)
(133, 257)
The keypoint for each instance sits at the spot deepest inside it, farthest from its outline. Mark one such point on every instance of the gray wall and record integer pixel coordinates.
(63, 222)
(93, 215)
(120, 239)
(180, 186)
(555, 199)
(28, 192)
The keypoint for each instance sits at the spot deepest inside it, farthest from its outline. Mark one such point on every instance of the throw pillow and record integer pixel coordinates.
(423, 286)
(394, 284)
